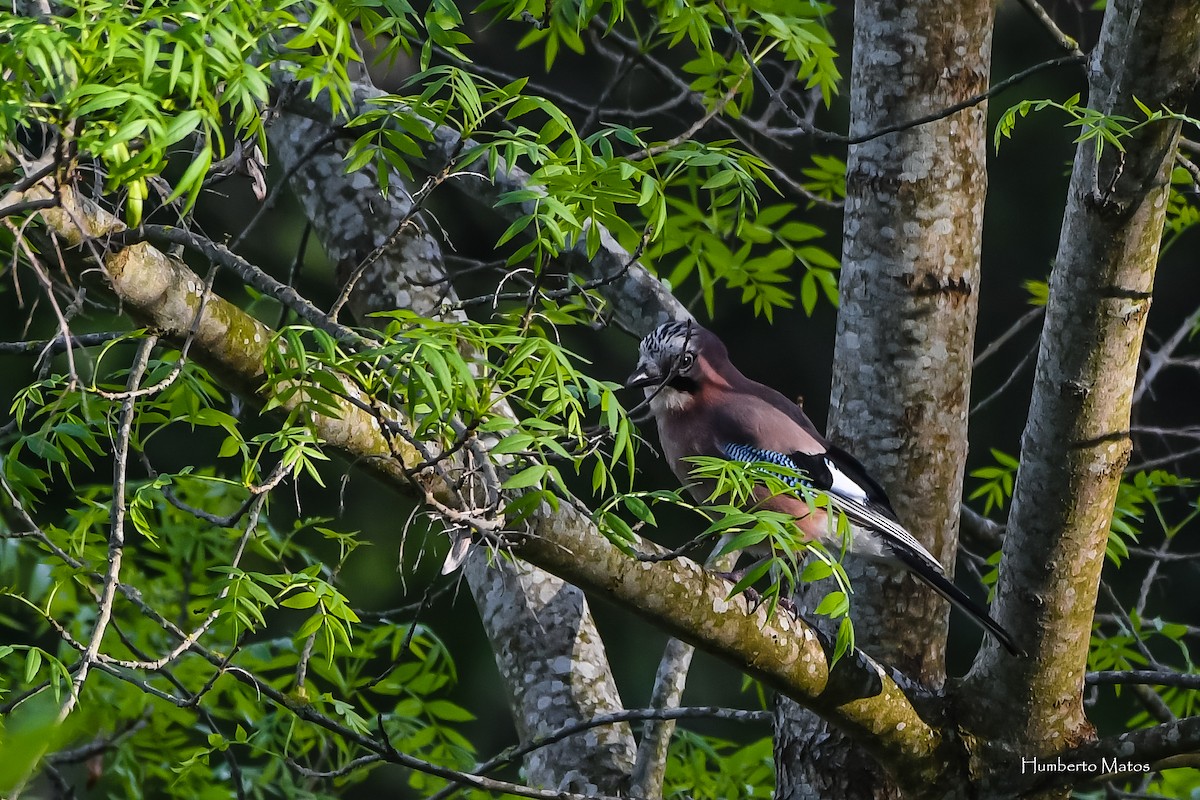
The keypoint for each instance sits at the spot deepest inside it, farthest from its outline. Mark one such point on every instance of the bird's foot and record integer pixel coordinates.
(756, 598)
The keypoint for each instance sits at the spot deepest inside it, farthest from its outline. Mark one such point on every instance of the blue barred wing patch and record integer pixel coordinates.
(748, 454)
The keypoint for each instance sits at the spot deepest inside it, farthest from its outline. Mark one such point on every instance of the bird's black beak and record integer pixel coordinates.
(642, 376)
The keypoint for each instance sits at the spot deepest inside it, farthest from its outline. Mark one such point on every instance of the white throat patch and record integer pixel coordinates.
(668, 399)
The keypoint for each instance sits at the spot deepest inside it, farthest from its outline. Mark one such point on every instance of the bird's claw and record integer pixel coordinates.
(756, 599)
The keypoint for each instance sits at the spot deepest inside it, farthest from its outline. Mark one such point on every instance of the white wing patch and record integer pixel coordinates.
(842, 484)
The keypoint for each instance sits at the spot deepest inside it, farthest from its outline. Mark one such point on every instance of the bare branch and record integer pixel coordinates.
(1001, 340)
(60, 343)
(1061, 39)
(650, 765)
(1157, 361)
(633, 715)
(250, 274)
(1144, 677)
(116, 534)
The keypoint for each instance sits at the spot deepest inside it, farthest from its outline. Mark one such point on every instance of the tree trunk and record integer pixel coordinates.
(905, 335)
(1076, 441)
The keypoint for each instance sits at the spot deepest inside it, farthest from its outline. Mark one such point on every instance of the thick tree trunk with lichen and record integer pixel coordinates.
(909, 292)
(548, 651)
(1076, 442)
(906, 327)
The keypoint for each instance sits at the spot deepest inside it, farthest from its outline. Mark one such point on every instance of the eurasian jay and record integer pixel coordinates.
(705, 407)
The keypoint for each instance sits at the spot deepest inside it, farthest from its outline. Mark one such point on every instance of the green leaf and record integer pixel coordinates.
(192, 180)
(300, 600)
(638, 508)
(447, 711)
(33, 663)
(834, 604)
(816, 570)
(530, 476)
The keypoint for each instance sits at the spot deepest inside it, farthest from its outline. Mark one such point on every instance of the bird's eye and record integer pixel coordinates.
(686, 361)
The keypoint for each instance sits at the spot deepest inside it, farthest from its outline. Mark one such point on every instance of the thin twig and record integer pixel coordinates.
(349, 769)
(101, 744)
(1061, 39)
(116, 534)
(249, 274)
(634, 715)
(1009, 381)
(43, 277)
(1018, 326)
(1160, 358)
(804, 128)
(28, 205)
(1143, 676)
(59, 343)
(696, 126)
(186, 643)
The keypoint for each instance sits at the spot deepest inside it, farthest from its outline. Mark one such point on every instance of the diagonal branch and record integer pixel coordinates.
(116, 533)
(868, 701)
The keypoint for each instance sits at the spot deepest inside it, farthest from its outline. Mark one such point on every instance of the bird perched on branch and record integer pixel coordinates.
(705, 407)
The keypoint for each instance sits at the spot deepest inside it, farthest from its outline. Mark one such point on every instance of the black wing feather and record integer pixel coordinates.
(938, 581)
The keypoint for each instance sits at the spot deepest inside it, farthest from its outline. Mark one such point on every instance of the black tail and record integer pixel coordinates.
(946, 588)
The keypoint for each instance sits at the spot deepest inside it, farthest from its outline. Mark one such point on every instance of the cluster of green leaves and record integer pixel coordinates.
(1182, 210)
(391, 27)
(1123, 650)
(709, 768)
(1094, 126)
(996, 481)
(449, 379)
(1138, 496)
(826, 178)
(753, 254)
(276, 613)
(1179, 782)
(796, 29)
(1127, 649)
(747, 485)
(1143, 506)
(132, 81)
(1135, 497)
(554, 24)
(577, 184)
(67, 423)
(1038, 291)
(736, 487)
(698, 198)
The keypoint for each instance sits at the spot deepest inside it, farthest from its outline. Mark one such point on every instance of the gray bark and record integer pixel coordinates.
(909, 293)
(555, 671)
(905, 334)
(650, 765)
